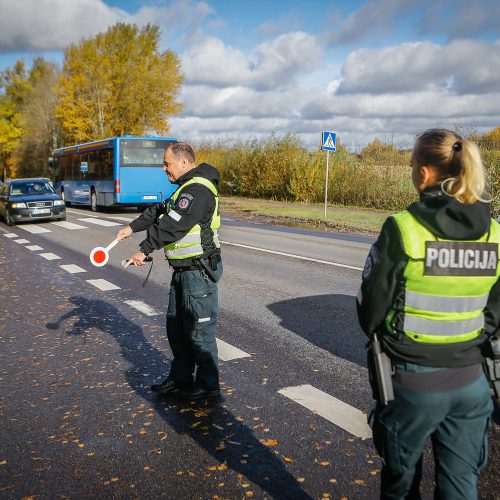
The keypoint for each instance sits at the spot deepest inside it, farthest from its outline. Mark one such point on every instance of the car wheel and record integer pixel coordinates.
(93, 201)
(8, 219)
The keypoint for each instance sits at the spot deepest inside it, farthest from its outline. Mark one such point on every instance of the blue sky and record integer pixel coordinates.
(381, 68)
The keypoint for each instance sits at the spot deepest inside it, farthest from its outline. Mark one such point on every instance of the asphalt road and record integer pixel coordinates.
(80, 346)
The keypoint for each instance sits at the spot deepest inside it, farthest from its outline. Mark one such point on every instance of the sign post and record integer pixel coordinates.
(328, 143)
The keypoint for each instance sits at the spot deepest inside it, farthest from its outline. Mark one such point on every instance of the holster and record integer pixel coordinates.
(380, 372)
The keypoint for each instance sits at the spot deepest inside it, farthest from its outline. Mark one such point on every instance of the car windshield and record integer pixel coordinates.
(31, 188)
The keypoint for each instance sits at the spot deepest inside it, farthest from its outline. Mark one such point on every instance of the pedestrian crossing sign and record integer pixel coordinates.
(329, 141)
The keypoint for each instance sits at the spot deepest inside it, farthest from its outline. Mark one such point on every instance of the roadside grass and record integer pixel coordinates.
(309, 216)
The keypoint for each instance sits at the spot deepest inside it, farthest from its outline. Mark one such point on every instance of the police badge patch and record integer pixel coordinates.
(184, 202)
(370, 263)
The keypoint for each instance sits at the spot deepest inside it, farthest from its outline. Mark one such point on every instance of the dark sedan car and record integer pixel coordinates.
(29, 200)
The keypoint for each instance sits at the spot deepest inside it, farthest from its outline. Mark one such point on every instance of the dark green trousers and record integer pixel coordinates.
(191, 326)
(457, 423)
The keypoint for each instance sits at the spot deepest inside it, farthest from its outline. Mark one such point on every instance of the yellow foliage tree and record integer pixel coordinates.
(118, 83)
(14, 87)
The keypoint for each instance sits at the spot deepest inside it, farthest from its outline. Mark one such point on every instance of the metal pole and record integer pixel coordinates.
(326, 182)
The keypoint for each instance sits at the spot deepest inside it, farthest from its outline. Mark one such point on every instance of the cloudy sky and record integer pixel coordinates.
(365, 69)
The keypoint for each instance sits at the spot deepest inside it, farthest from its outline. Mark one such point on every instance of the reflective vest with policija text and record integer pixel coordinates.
(447, 283)
(190, 245)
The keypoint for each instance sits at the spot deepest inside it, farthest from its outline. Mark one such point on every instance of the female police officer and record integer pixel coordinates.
(431, 291)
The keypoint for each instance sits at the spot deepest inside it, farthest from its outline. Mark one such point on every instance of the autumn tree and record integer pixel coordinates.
(118, 83)
(380, 153)
(14, 86)
(491, 139)
(40, 133)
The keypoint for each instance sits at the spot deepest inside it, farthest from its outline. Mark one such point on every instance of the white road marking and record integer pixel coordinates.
(34, 229)
(49, 256)
(73, 268)
(34, 248)
(227, 352)
(293, 256)
(124, 219)
(142, 307)
(11, 235)
(336, 411)
(103, 285)
(21, 241)
(100, 222)
(80, 213)
(68, 225)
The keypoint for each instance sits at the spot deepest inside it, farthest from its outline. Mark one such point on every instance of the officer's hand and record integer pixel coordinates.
(136, 260)
(123, 233)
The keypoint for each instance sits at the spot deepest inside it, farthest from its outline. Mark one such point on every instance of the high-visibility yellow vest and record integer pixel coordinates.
(447, 282)
(190, 245)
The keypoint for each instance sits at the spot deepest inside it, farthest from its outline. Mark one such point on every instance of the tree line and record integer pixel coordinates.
(116, 83)
(280, 168)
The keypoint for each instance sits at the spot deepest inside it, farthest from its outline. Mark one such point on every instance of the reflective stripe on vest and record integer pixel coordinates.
(190, 245)
(444, 303)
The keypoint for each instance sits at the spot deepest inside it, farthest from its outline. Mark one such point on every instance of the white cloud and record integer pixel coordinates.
(276, 63)
(463, 66)
(52, 24)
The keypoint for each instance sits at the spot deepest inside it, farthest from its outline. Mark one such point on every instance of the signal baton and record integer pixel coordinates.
(99, 256)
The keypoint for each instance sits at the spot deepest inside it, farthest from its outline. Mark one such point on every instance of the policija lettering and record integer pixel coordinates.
(457, 258)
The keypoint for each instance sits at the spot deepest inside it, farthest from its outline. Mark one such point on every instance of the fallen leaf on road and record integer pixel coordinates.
(269, 442)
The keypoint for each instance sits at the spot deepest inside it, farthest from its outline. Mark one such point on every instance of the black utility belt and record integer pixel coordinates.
(212, 261)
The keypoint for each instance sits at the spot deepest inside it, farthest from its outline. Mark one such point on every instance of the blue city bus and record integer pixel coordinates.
(121, 171)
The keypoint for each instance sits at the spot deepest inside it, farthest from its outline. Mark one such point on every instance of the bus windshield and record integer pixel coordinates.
(138, 153)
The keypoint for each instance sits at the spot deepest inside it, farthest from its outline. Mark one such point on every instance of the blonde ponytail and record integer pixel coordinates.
(457, 162)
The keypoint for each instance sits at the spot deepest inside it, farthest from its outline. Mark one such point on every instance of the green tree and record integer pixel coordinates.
(118, 83)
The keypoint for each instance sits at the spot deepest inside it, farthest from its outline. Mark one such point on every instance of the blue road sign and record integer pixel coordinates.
(329, 141)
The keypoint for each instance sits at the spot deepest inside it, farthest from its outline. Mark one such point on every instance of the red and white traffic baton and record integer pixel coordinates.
(99, 256)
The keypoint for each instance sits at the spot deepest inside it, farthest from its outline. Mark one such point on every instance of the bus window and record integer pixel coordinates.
(106, 164)
(142, 153)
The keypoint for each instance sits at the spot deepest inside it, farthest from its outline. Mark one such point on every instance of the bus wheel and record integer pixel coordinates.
(93, 200)
(67, 203)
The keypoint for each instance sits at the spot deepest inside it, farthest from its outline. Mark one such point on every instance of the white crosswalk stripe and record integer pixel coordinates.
(11, 235)
(73, 268)
(21, 241)
(100, 222)
(227, 352)
(103, 285)
(34, 248)
(336, 411)
(49, 256)
(124, 219)
(69, 225)
(142, 307)
(34, 229)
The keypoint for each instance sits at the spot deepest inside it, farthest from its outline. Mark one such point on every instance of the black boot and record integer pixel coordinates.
(197, 392)
(167, 387)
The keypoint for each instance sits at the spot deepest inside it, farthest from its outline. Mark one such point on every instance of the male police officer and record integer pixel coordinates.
(186, 227)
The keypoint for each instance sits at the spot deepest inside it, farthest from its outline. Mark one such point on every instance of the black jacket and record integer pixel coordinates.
(382, 287)
(195, 205)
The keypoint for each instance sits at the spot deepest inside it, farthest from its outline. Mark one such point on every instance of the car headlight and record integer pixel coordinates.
(58, 202)
(18, 205)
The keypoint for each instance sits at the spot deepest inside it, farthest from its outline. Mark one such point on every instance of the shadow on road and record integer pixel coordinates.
(328, 321)
(210, 425)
